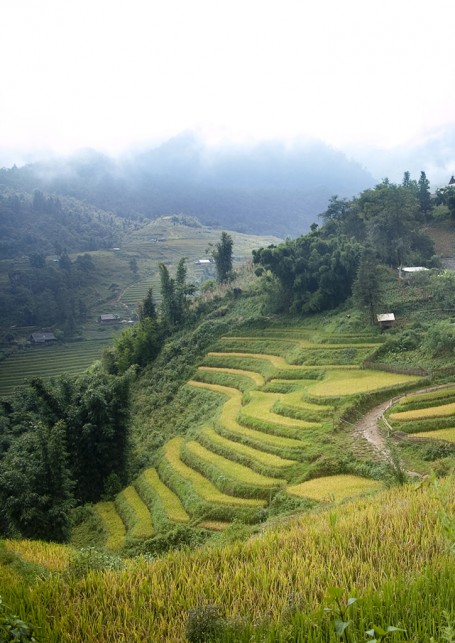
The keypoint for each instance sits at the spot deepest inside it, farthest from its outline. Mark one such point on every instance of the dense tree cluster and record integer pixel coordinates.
(49, 224)
(47, 293)
(141, 344)
(317, 271)
(61, 444)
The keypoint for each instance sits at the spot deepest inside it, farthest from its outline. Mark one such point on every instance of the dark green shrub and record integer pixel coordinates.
(90, 559)
(438, 450)
(12, 628)
(205, 623)
(179, 537)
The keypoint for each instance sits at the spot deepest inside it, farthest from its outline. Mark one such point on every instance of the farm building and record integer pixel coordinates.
(202, 262)
(386, 320)
(405, 272)
(42, 338)
(108, 318)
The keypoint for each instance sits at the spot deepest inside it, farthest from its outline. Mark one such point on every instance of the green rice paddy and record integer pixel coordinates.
(274, 419)
(49, 361)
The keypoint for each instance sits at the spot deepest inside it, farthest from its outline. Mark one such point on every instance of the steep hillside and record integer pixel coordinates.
(67, 293)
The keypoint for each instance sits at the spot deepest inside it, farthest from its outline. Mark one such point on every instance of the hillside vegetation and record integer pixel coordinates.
(270, 588)
(67, 293)
(215, 474)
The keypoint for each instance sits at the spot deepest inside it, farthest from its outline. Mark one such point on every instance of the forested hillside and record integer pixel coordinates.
(264, 189)
(37, 223)
(229, 422)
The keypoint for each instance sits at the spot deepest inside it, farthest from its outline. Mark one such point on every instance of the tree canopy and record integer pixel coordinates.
(317, 271)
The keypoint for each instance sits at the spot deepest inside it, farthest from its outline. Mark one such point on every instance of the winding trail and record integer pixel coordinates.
(367, 426)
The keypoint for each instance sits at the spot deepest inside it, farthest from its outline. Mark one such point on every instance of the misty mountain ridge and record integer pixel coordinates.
(265, 188)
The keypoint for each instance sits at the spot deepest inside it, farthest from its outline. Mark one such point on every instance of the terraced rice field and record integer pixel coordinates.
(335, 488)
(442, 434)
(49, 361)
(52, 556)
(134, 513)
(112, 523)
(337, 384)
(428, 415)
(275, 420)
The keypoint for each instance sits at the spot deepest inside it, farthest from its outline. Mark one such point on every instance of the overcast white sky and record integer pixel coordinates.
(113, 73)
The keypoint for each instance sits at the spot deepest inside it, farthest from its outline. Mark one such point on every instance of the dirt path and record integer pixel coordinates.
(368, 426)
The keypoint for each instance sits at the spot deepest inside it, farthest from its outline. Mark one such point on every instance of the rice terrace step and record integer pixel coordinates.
(274, 423)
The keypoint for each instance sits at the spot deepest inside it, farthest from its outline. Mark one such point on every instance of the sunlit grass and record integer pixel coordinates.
(335, 488)
(390, 546)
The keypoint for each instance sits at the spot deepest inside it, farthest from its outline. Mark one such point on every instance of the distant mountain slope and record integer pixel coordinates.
(38, 223)
(267, 188)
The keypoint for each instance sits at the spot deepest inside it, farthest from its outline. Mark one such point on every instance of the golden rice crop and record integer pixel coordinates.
(443, 410)
(350, 382)
(256, 377)
(214, 525)
(228, 419)
(295, 399)
(334, 488)
(429, 395)
(53, 556)
(113, 524)
(239, 472)
(201, 485)
(275, 360)
(137, 515)
(260, 404)
(439, 434)
(268, 459)
(170, 501)
(361, 547)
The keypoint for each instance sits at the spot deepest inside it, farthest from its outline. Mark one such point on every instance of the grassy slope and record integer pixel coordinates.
(269, 579)
(114, 289)
(252, 430)
(270, 587)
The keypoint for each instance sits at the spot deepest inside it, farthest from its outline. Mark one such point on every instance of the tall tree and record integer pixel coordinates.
(424, 194)
(167, 296)
(366, 290)
(147, 308)
(222, 254)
